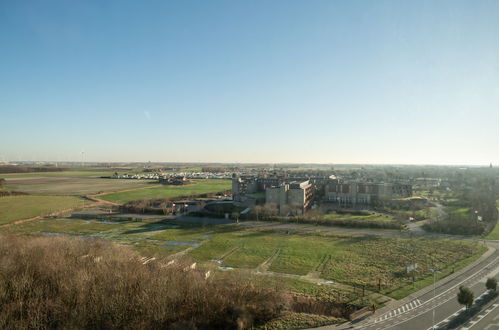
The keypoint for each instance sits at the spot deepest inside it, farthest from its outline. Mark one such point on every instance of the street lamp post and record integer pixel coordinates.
(434, 271)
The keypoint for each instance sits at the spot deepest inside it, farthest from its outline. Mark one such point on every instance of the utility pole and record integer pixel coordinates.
(434, 271)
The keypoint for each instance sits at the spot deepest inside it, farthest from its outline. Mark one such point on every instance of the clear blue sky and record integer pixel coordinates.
(250, 81)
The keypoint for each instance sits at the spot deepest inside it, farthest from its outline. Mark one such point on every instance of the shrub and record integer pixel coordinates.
(85, 283)
(491, 284)
(465, 297)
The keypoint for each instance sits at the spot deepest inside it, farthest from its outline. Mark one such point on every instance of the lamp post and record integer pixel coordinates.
(434, 271)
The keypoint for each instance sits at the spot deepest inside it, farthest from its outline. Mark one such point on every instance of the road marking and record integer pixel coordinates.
(440, 296)
(401, 310)
(481, 316)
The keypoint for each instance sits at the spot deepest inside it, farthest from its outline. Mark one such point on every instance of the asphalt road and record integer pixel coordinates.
(417, 314)
(487, 320)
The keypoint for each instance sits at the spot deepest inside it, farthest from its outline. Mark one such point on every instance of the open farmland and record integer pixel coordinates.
(70, 185)
(74, 174)
(197, 187)
(14, 208)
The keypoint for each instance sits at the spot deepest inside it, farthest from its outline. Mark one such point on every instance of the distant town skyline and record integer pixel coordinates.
(327, 82)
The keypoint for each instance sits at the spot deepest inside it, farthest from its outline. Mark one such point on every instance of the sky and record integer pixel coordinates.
(381, 82)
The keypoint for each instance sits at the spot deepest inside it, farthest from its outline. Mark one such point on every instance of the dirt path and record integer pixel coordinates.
(100, 200)
(125, 190)
(264, 266)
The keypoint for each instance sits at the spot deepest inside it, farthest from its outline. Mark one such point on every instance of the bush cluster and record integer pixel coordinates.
(93, 284)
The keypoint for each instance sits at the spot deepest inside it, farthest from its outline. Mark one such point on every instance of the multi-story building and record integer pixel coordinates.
(242, 186)
(292, 197)
(365, 193)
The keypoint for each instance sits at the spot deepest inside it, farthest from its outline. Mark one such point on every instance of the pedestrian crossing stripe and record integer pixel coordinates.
(400, 310)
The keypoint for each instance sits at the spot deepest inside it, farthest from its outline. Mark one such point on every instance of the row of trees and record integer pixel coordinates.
(479, 195)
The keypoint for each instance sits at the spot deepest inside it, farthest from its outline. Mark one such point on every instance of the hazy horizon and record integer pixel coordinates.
(316, 82)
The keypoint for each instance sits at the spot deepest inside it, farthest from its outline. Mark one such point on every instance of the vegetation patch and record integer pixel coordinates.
(292, 320)
(83, 284)
(22, 207)
(70, 185)
(199, 187)
(378, 264)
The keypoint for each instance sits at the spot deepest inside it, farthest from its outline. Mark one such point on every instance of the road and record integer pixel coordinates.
(416, 311)
(487, 320)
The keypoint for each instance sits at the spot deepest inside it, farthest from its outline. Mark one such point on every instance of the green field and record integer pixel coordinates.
(155, 238)
(21, 207)
(61, 185)
(71, 174)
(352, 260)
(198, 187)
(458, 212)
(345, 217)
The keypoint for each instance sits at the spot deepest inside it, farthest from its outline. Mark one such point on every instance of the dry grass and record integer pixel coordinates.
(86, 283)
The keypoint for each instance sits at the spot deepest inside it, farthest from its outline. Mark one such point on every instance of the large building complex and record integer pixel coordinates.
(365, 193)
(290, 198)
(288, 195)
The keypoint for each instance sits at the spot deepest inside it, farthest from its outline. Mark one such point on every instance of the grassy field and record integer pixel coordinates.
(351, 260)
(202, 186)
(458, 212)
(154, 238)
(62, 185)
(370, 217)
(21, 207)
(71, 174)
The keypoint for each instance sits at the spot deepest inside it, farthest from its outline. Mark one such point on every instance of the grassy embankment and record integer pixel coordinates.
(198, 187)
(14, 208)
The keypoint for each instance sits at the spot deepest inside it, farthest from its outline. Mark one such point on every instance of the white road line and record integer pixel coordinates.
(440, 295)
(472, 323)
(418, 303)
